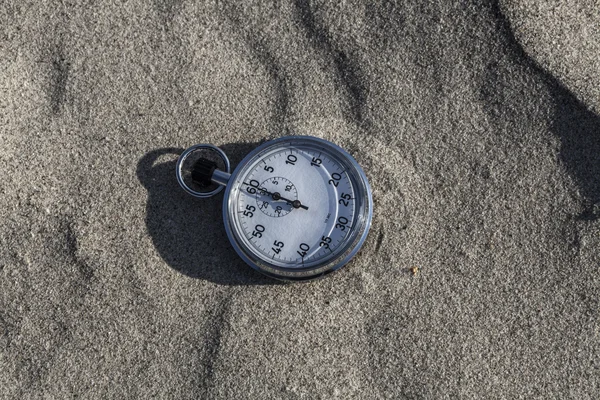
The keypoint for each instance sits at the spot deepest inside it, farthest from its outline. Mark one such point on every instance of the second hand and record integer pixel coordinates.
(276, 196)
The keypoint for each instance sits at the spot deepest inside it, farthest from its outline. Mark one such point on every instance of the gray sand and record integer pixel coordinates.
(477, 125)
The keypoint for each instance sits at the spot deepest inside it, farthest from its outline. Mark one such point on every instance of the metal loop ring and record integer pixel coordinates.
(185, 155)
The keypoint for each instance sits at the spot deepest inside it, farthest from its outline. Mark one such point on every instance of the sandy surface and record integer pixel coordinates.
(477, 125)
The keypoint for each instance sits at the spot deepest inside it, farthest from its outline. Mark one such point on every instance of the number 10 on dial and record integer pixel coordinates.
(296, 208)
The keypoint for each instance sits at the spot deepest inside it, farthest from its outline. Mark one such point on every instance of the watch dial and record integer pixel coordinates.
(295, 206)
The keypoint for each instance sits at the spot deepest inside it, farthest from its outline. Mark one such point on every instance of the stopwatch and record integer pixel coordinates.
(295, 208)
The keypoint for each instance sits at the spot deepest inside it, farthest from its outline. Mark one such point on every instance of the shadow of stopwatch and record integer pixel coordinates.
(187, 232)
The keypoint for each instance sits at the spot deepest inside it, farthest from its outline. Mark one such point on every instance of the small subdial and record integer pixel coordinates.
(278, 201)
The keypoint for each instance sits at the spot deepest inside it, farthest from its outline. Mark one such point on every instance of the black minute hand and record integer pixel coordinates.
(276, 196)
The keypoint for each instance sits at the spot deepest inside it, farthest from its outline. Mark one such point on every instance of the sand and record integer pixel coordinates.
(477, 124)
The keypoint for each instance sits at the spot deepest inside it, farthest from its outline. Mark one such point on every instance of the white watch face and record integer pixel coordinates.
(297, 205)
